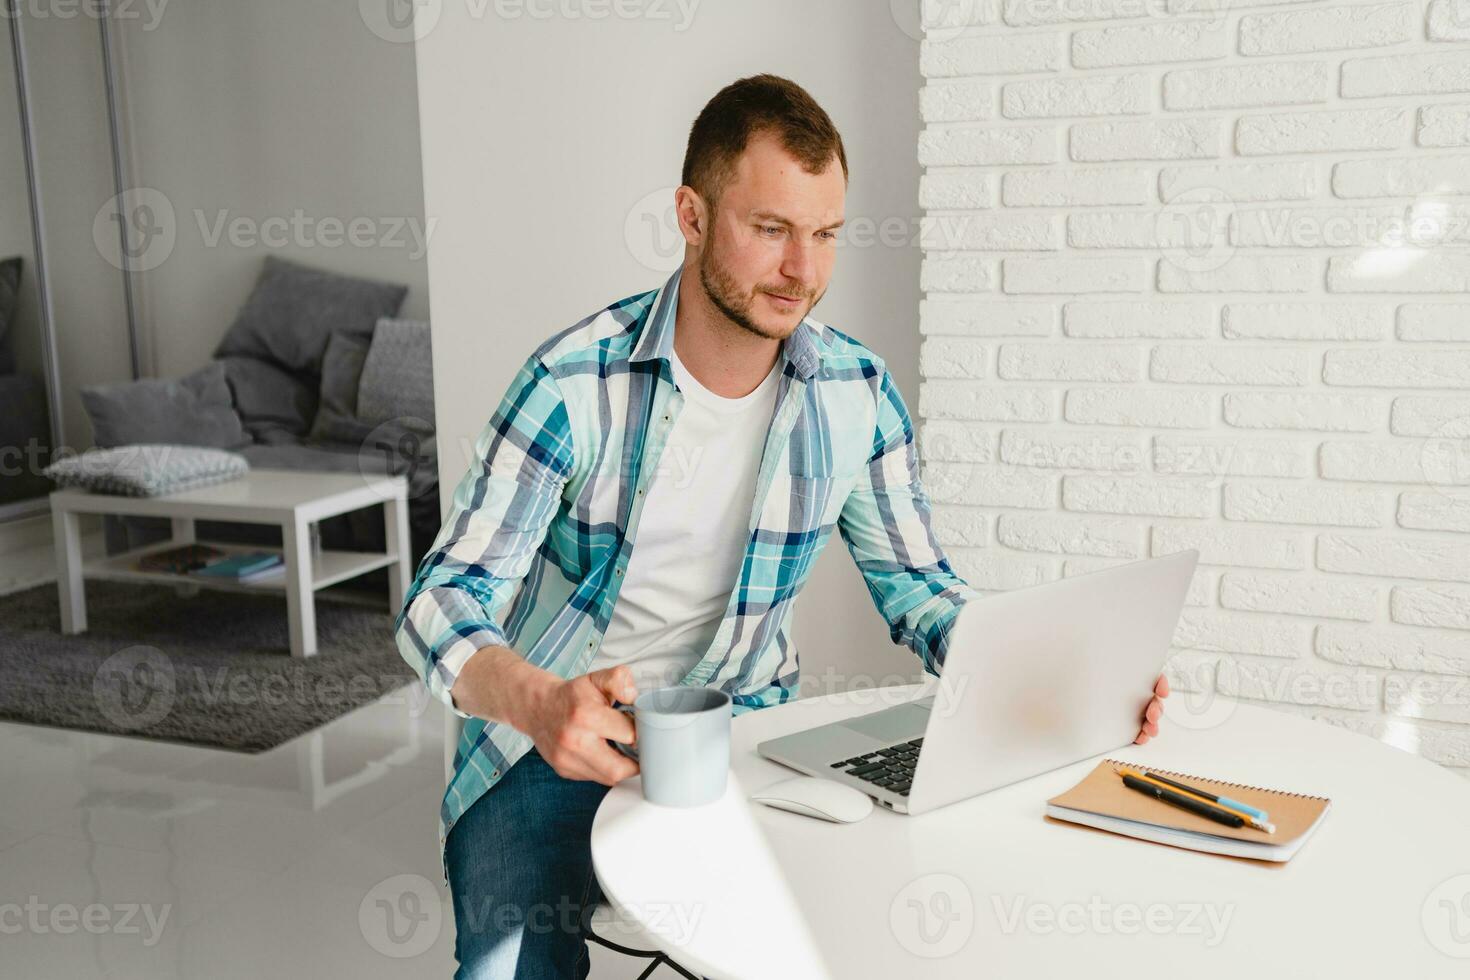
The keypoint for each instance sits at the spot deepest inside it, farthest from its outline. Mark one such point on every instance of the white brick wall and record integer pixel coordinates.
(1196, 276)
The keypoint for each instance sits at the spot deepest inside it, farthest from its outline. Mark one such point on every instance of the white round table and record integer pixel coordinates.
(990, 887)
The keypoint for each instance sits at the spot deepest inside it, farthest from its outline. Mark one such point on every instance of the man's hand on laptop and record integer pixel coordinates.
(1154, 712)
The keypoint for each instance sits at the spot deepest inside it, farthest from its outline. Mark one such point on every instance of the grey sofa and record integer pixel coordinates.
(319, 376)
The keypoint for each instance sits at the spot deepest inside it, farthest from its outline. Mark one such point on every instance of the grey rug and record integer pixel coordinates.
(210, 669)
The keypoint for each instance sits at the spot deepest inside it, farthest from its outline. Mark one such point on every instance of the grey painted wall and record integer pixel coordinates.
(249, 113)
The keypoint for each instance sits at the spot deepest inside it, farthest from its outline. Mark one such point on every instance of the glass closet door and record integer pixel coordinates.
(26, 416)
(70, 124)
(65, 320)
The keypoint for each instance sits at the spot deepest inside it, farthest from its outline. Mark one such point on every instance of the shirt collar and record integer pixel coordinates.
(657, 339)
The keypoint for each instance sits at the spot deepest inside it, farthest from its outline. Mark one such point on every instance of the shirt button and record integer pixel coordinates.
(618, 571)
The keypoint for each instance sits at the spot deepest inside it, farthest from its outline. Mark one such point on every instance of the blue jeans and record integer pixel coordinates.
(520, 872)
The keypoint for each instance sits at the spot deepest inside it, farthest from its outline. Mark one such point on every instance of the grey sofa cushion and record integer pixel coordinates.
(274, 405)
(147, 470)
(398, 376)
(195, 410)
(9, 301)
(336, 415)
(293, 309)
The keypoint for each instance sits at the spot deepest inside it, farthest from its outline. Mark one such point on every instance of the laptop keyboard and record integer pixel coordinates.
(891, 768)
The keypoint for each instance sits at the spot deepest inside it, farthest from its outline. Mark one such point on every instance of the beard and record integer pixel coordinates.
(738, 307)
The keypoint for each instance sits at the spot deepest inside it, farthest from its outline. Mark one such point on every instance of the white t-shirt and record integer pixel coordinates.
(691, 535)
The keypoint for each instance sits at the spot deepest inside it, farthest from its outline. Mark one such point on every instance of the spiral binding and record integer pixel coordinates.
(1184, 776)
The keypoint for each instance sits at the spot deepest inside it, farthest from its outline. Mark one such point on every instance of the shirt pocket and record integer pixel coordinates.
(813, 501)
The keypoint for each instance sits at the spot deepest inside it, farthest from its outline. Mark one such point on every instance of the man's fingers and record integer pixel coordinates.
(593, 759)
(1142, 738)
(610, 766)
(615, 683)
(1161, 687)
(1150, 729)
(606, 722)
(1154, 711)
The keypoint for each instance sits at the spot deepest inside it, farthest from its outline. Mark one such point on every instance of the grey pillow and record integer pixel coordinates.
(293, 309)
(147, 470)
(398, 377)
(9, 301)
(336, 415)
(274, 405)
(194, 410)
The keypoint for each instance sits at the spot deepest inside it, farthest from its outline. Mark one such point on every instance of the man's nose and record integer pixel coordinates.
(798, 264)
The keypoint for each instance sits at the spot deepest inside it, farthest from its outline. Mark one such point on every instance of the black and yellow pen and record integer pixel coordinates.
(1184, 799)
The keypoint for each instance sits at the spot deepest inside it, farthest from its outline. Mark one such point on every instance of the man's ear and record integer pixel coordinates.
(692, 214)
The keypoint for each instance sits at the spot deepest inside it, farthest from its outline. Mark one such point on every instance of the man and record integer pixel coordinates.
(658, 482)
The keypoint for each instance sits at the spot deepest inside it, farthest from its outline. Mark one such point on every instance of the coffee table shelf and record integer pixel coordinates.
(292, 501)
(327, 568)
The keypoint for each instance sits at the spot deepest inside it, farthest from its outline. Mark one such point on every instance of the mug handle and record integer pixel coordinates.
(623, 747)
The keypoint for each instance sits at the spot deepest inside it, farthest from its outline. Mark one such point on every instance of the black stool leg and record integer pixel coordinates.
(676, 968)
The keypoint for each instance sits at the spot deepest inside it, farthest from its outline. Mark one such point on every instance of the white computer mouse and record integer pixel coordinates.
(820, 798)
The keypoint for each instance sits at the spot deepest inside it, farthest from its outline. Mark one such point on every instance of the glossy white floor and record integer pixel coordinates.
(121, 857)
(128, 858)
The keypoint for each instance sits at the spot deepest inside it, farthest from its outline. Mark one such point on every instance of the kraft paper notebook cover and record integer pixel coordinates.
(1102, 801)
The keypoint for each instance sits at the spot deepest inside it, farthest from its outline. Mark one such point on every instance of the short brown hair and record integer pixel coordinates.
(753, 105)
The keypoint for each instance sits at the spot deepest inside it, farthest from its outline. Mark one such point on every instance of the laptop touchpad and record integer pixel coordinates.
(892, 724)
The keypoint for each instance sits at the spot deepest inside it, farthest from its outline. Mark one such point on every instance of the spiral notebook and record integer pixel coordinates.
(1102, 801)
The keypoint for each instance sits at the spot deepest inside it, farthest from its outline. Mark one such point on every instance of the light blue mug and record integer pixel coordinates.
(683, 750)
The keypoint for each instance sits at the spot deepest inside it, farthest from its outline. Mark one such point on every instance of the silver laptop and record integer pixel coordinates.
(1034, 679)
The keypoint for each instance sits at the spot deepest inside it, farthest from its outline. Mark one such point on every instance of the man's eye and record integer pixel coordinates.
(772, 229)
(829, 235)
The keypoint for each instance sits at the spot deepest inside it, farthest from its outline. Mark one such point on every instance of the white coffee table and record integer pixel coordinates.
(290, 500)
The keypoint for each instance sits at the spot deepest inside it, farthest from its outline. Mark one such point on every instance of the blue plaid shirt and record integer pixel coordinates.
(552, 502)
